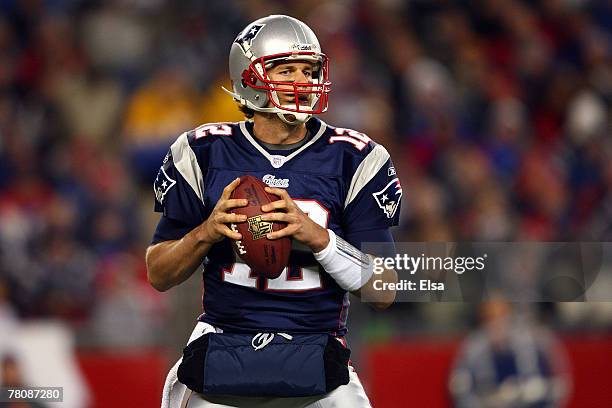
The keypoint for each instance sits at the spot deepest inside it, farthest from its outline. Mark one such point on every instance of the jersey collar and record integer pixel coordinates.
(277, 160)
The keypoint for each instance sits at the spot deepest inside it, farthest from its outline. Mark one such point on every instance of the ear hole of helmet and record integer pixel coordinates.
(248, 78)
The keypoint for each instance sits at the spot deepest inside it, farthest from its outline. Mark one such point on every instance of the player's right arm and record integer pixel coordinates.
(190, 224)
(171, 262)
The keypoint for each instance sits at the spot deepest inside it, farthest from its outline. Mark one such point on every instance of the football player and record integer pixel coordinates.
(336, 189)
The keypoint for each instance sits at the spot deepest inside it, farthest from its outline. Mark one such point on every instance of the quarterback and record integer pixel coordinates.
(335, 187)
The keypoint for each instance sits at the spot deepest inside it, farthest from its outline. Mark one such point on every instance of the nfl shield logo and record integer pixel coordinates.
(388, 198)
(277, 161)
(258, 227)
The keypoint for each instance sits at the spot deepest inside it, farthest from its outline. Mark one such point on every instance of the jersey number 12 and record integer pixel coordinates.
(309, 278)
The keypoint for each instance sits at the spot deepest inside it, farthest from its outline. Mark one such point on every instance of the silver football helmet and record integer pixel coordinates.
(262, 44)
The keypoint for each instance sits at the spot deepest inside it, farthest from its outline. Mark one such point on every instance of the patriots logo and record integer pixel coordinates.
(246, 37)
(388, 198)
(163, 183)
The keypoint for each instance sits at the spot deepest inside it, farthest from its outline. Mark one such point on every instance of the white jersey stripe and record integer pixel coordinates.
(186, 163)
(368, 168)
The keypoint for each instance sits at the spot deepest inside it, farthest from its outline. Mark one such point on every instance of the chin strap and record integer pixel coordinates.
(285, 116)
(298, 118)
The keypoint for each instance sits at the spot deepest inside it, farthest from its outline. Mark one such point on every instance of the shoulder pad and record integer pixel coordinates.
(352, 139)
(211, 131)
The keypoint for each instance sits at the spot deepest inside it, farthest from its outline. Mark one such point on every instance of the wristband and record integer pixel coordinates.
(349, 267)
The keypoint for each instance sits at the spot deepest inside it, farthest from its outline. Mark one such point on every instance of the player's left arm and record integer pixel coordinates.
(385, 281)
(346, 264)
(379, 299)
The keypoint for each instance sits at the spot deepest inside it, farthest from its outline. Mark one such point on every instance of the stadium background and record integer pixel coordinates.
(497, 115)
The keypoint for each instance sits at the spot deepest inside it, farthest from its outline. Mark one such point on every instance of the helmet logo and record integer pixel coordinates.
(245, 38)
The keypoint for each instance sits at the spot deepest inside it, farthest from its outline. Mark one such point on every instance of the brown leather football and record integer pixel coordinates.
(265, 257)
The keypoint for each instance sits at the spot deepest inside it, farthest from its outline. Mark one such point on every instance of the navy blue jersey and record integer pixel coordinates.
(339, 177)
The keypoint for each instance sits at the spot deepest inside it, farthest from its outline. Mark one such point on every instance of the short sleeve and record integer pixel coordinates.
(380, 236)
(178, 186)
(169, 230)
(374, 195)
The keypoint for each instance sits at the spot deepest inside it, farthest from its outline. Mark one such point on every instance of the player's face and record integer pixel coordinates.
(292, 72)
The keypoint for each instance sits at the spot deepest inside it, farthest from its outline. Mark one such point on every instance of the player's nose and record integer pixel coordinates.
(300, 77)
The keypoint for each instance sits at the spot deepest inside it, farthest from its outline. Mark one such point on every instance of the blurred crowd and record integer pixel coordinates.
(496, 112)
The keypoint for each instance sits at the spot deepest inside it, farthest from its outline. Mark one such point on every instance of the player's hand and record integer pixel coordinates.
(299, 225)
(216, 228)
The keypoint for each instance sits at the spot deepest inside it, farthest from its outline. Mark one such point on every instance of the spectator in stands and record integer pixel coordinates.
(509, 362)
